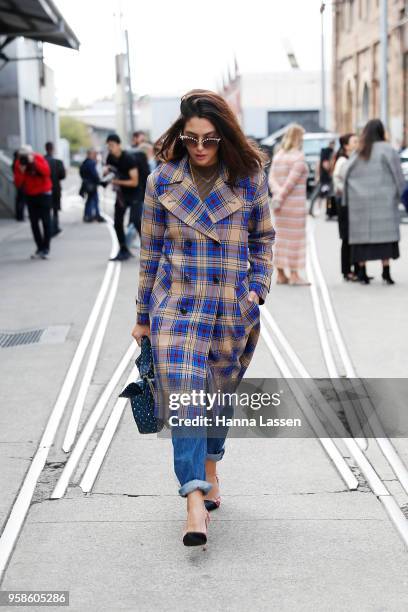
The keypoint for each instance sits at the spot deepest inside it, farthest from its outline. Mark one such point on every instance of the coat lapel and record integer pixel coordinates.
(181, 198)
(222, 201)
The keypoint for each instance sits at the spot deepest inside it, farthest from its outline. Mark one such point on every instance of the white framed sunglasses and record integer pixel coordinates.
(192, 141)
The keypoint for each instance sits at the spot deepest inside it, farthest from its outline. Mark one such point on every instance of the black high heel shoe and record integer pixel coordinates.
(362, 275)
(387, 280)
(196, 538)
(213, 504)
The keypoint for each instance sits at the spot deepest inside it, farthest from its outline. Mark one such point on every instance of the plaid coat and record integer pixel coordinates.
(198, 262)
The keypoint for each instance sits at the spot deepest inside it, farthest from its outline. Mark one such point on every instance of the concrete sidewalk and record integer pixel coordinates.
(288, 535)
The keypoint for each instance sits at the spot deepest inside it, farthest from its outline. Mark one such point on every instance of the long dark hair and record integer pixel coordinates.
(373, 131)
(343, 140)
(241, 155)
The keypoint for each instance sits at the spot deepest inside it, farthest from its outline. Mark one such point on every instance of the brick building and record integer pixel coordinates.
(356, 65)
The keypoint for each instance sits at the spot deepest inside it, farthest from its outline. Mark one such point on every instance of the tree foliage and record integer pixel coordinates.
(75, 132)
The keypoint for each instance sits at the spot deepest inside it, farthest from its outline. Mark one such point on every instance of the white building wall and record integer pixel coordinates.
(255, 121)
(277, 91)
(156, 114)
(28, 108)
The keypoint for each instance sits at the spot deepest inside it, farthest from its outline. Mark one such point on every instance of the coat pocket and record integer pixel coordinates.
(249, 310)
(161, 288)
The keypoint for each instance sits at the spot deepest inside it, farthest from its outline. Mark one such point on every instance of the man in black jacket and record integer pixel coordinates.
(57, 175)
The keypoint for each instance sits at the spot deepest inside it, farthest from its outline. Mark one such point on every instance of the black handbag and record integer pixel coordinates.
(141, 392)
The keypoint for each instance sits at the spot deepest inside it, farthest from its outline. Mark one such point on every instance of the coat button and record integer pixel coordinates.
(183, 310)
(216, 280)
(187, 277)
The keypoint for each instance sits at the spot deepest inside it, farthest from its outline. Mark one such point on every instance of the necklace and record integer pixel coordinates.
(202, 178)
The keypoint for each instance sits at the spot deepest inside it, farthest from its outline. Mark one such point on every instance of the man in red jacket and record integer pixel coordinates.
(32, 175)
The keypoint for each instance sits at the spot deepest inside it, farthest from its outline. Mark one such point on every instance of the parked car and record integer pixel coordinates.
(313, 143)
(404, 162)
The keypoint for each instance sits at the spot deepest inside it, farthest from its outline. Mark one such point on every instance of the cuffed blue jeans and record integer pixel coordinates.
(190, 452)
(193, 445)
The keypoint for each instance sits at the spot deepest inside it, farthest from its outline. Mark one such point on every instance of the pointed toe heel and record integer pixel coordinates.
(196, 538)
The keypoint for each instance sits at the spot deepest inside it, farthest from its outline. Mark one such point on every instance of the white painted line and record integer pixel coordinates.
(22, 502)
(91, 423)
(327, 353)
(397, 517)
(303, 373)
(350, 372)
(101, 448)
(324, 338)
(388, 450)
(377, 486)
(328, 445)
(91, 364)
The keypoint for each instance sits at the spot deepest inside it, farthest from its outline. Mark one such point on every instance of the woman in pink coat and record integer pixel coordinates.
(287, 181)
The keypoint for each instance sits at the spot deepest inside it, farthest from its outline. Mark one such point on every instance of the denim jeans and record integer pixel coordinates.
(92, 205)
(193, 445)
(190, 454)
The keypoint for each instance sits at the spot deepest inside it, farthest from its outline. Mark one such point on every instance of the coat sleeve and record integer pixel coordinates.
(297, 170)
(274, 186)
(18, 175)
(398, 174)
(152, 238)
(261, 236)
(41, 165)
(61, 170)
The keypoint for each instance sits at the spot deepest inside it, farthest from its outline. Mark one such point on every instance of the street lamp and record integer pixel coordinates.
(323, 75)
(384, 61)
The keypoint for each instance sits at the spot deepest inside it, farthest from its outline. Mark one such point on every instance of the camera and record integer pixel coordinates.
(23, 159)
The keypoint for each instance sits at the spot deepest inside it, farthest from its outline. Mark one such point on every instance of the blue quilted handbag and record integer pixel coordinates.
(141, 392)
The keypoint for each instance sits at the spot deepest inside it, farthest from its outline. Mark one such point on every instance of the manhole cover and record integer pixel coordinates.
(47, 335)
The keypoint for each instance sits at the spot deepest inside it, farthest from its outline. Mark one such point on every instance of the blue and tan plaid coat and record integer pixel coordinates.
(198, 262)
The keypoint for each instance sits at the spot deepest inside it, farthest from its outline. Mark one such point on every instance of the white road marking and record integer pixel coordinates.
(91, 423)
(22, 502)
(328, 445)
(92, 360)
(101, 448)
(380, 437)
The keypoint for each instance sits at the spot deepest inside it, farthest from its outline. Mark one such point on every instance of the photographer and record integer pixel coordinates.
(126, 184)
(32, 175)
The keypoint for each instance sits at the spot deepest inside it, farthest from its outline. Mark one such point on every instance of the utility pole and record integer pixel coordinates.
(129, 84)
(384, 61)
(323, 73)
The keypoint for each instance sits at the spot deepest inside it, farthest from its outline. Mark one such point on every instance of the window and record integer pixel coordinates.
(365, 106)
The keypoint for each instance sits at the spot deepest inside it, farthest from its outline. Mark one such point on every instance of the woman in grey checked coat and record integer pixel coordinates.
(373, 184)
(205, 267)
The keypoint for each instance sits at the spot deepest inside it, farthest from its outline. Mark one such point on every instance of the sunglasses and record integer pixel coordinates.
(192, 141)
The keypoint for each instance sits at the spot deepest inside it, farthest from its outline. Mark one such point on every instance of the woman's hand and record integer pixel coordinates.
(140, 330)
(253, 297)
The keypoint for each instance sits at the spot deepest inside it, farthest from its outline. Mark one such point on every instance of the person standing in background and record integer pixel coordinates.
(373, 184)
(32, 174)
(323, 187)
(58, 174)
(126, 167)
(138, 138)
(348, 144)
(20, 197)
(90, 181)
(287, 182)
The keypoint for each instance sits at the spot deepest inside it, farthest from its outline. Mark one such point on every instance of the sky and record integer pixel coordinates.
(180, 44)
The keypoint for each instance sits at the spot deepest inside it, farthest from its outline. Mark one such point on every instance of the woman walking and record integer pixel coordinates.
(206, 219)
(373, 184)
(287, 181)
(348, 144)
